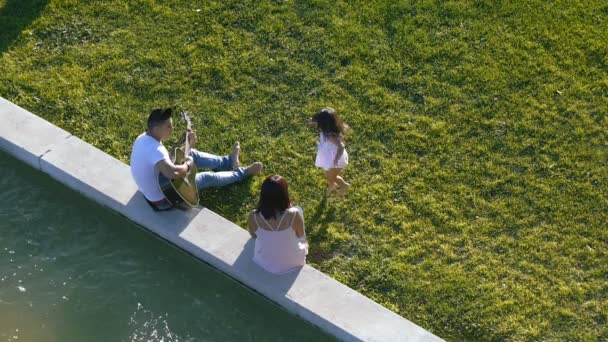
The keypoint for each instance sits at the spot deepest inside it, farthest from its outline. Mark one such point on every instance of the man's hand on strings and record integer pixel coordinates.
(191, 138)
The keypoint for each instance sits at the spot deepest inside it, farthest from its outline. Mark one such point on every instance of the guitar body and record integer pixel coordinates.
(181, 190)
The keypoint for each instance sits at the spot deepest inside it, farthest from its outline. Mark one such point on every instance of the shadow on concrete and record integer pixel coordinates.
(15, 16)
(266, 283)
(177, 219)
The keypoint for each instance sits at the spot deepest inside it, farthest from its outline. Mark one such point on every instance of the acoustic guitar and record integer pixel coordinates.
(181, 190)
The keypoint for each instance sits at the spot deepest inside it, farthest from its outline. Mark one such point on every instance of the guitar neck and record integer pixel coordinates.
(188, 129)
(186, 146)
(187, 142)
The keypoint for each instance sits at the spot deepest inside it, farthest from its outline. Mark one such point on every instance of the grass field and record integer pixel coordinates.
(479, 166)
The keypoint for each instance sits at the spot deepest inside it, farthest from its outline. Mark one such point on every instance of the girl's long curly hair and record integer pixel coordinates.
(329, 122)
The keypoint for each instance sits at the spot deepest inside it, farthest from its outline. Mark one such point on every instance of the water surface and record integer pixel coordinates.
(71, 270)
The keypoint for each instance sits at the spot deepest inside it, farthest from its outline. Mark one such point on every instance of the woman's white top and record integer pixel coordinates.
(279, 251)
(326, 153)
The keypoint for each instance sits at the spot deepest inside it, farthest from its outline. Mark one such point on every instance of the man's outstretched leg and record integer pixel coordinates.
(204, 160)
(217, 179)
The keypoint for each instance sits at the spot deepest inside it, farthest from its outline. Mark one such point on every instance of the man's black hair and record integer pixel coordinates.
(158, 116)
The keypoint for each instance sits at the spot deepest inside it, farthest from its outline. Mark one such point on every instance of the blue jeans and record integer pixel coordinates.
(222, 173)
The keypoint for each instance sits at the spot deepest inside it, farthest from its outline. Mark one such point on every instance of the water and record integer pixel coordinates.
(73, 271)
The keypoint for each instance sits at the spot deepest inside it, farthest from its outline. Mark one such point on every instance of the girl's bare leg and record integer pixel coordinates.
(331, 179)
(343, 185)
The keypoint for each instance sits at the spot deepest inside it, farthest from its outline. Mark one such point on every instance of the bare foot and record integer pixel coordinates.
(235, 155)
(343, 189)
(254, 169)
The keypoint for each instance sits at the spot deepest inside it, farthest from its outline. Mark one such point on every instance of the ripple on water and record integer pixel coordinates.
(145, 326)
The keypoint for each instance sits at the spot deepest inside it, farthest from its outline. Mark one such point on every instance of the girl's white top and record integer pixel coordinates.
(279, 251)
(326, 153)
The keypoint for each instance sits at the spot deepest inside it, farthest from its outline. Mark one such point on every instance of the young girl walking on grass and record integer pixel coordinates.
(331, 154)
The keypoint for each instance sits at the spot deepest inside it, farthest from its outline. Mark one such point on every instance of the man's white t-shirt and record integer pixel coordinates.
(148, 151)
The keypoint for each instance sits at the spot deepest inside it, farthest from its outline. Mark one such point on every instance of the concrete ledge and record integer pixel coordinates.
(26, 136)
(308, 293)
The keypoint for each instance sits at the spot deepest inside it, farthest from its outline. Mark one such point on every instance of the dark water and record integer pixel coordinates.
(73, 271)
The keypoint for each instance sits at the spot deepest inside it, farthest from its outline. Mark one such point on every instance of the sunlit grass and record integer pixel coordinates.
(478, 167)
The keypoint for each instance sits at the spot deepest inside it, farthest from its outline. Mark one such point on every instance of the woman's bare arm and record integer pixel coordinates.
(298, 224)
(251, 226)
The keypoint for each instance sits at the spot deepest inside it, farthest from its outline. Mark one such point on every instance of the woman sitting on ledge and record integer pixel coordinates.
(278, 229)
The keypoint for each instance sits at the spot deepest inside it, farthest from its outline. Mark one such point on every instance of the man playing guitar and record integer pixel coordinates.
(150, 158)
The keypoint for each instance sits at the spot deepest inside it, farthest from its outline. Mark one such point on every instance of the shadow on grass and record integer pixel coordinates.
(229, 200)
(316, 229)
(312, 222)
(15, 15)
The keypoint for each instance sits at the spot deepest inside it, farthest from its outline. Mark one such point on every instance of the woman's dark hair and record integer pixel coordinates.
(158, 116)
(274, 197)
(328, 121)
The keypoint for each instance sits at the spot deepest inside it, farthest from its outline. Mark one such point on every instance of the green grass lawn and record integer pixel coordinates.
(479, 166)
